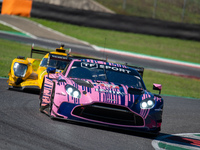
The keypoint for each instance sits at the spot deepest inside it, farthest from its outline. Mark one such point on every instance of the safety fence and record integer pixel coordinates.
(185, 11)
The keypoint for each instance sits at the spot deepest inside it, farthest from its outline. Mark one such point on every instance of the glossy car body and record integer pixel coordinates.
(29, 72)
(102, 93)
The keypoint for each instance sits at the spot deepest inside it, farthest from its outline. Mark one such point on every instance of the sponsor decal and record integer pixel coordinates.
(62, 93)
(112, 86)
(58, 57)
(158, 99)
(113, 100)
(101, 66)
(110, 91)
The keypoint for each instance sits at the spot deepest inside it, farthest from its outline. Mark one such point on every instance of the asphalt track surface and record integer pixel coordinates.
(90, 51)
(23, 127)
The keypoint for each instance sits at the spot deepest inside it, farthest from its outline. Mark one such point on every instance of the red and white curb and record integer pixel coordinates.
(183, 141)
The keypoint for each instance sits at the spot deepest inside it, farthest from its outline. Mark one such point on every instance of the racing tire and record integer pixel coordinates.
(40, 98)
(9, 87)
(52, 100)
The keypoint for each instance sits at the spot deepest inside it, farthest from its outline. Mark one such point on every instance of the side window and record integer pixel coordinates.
(65, 70)
(43, 62)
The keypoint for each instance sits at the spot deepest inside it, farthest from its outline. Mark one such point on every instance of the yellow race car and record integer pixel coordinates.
(29, 72)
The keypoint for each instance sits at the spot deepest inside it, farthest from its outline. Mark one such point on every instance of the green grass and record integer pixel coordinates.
(6, 28)
(10, 50)
(184, 50)
(169, 10)
(172, 85)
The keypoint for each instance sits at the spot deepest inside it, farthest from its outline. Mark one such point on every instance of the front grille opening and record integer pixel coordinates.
(109, 114)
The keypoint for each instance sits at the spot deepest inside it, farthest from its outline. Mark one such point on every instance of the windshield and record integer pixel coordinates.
(58, 64)
(117, 75)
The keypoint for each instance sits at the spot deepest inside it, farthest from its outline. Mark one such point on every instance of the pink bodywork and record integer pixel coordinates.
(158, 86)
(102, 92)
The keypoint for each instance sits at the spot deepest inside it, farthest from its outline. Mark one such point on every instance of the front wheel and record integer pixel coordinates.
(40, 98)
(51, 101)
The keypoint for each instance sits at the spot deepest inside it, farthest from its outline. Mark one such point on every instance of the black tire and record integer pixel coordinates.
(52, 100)
(9, 87)
(40, 97)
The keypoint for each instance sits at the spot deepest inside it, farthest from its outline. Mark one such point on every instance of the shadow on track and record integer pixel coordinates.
(147, 135)
(27, 90)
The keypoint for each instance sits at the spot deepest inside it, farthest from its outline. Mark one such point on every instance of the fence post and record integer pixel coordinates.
(124, 5)
(154, 9)
(183, 12)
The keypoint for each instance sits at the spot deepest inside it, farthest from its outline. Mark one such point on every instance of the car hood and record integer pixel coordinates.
(102, 91)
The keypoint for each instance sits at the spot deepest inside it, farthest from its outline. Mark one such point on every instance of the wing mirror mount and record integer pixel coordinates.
(51, 70)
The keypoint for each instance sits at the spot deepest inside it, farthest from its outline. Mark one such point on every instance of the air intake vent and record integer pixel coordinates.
(108, 113)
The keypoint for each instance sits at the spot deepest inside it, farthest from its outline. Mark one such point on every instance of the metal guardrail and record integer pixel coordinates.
(116, 22)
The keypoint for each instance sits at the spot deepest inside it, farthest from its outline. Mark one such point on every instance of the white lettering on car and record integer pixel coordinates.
(95, 65)
(110, 91)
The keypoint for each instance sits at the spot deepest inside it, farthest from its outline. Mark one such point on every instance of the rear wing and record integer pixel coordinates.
(61, 50)
(59, 57)
(37, 51)
(139, 69)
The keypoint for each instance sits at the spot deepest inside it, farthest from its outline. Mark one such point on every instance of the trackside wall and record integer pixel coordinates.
(115, 22)
(102, 20)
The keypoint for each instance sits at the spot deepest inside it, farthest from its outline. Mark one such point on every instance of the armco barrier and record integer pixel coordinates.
(115, 21)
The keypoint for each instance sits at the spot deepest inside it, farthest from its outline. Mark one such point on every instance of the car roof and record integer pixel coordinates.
(55, 53)
(104, 63)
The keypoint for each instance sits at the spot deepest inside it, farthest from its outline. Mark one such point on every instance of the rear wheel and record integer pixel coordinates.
(9, 87)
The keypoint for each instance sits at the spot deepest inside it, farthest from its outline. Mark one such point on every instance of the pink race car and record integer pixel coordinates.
(103, 93)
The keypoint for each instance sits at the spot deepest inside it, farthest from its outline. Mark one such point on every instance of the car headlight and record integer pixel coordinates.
(20, 69)
(72, 91)
(147, 103)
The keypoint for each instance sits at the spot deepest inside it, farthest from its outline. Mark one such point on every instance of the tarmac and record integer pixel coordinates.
(36, 30)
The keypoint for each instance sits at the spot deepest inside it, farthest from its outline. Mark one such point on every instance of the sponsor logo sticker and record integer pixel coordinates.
(95, 65)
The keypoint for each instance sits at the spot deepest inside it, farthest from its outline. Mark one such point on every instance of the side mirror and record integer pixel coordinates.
(51, 70)
(157, 87)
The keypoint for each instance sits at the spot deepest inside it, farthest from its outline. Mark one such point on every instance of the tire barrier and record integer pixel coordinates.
(17, 7)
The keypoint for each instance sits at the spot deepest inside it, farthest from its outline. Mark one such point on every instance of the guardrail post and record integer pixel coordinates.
(183, 12)
(154, 10)
(124, 5)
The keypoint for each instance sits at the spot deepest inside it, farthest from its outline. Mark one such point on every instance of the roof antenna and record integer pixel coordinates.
(32, 47)
(62, 46)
